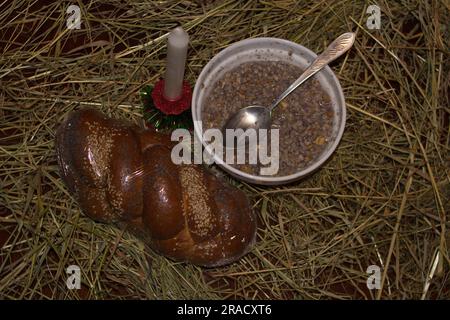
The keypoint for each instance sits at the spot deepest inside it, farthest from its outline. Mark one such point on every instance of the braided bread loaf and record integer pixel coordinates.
(124, 175)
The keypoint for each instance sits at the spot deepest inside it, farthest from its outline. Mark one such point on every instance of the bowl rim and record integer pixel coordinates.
(267, 180)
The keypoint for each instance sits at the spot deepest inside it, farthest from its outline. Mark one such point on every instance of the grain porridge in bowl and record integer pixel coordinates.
(310, 121)
(304, 118)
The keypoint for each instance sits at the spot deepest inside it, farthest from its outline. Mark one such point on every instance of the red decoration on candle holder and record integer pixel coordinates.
(171, 107)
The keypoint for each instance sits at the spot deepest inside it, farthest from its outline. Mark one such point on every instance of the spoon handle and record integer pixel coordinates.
(332, 52)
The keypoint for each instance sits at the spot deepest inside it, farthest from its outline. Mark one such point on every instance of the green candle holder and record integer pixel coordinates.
(157, 119)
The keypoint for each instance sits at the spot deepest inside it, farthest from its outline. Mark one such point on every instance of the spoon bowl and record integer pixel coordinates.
(259, 117)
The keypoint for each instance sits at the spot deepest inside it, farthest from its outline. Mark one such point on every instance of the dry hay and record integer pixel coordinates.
(383, 199)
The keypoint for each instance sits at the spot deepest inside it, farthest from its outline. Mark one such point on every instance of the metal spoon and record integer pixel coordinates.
(258, 117)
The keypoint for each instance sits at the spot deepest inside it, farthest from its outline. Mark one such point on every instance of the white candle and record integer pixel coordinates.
(177, 46)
